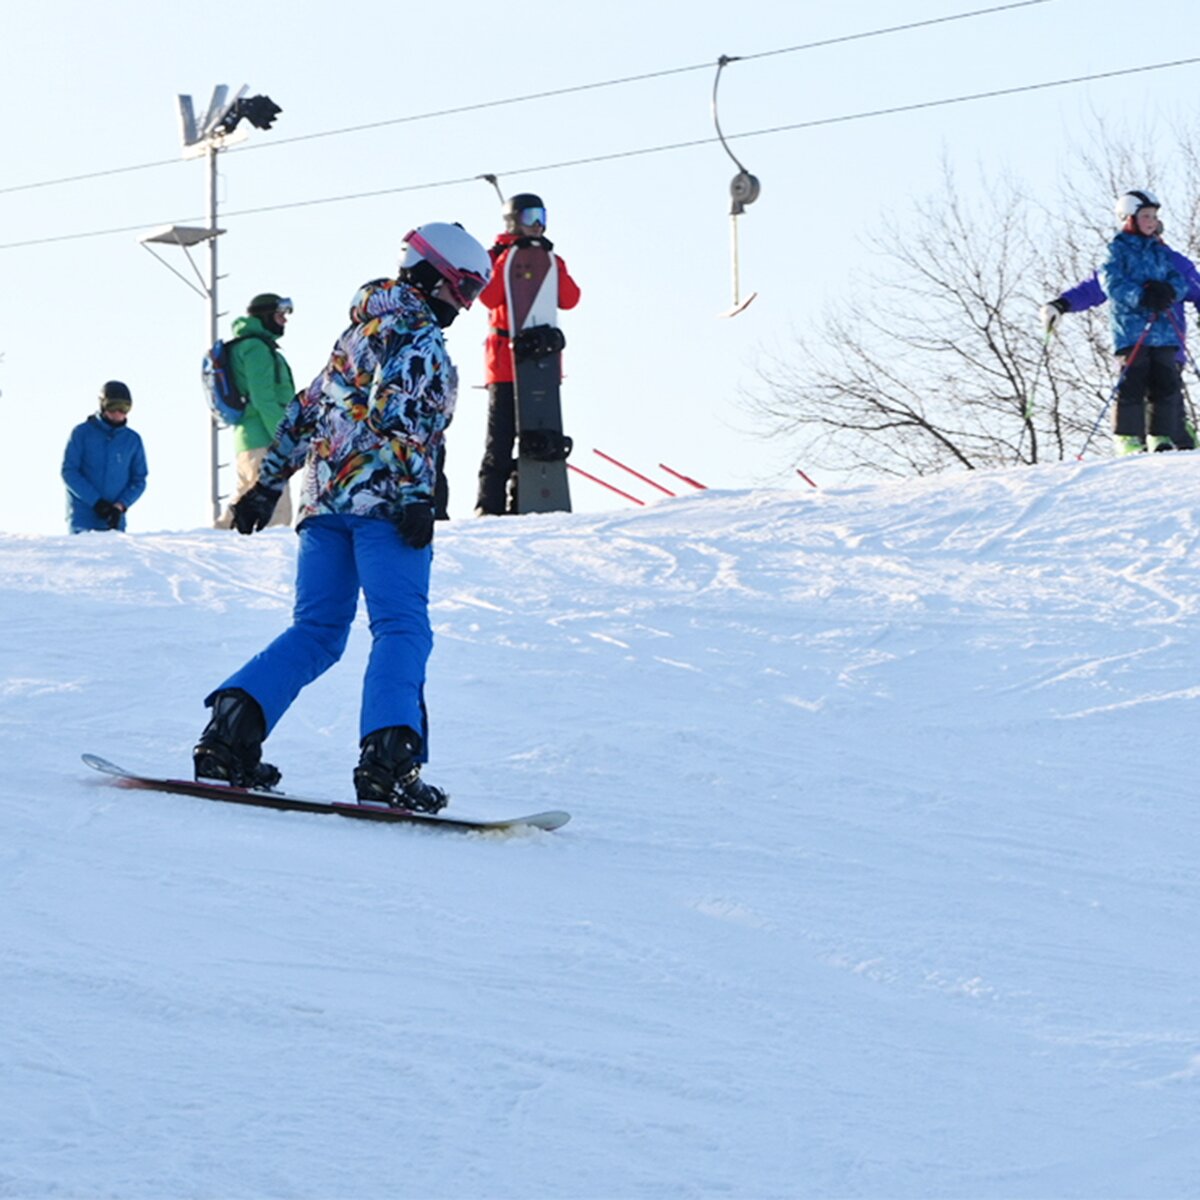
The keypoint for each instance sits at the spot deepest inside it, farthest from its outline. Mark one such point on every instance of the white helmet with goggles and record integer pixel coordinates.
(438, 251)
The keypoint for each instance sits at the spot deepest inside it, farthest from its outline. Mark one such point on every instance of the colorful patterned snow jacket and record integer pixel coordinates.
(1132, 260)
(497, 354)
(262, 375)
(102, 462)
(368, 426)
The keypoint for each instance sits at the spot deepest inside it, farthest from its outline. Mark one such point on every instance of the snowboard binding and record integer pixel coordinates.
(545, 445)
(539, 341)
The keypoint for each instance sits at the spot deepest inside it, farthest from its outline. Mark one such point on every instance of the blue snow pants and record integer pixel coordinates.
(339, 555)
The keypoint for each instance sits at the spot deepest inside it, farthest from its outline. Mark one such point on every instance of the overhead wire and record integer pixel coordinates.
(526, 98)
(640, 152)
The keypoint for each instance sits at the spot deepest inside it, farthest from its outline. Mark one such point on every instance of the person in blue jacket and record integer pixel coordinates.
(1152, 281)
(104, 466)
(1089, 293)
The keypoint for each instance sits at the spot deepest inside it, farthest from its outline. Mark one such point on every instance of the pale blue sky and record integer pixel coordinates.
(652, 372)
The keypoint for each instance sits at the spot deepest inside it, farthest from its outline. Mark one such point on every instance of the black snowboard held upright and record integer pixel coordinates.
(531, 284)
(281, 800)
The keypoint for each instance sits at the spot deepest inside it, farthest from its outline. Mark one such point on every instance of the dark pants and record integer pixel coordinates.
(498, 471)
(1150, 396)
(441, 485)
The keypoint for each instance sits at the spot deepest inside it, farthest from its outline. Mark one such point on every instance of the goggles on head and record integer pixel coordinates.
(116, 405)
(530, 216)
(464, 286)
(284, 306)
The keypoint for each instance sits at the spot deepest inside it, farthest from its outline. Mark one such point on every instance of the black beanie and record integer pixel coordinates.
(114, 389)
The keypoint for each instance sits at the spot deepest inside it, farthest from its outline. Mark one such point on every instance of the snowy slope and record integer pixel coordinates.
(882, 878)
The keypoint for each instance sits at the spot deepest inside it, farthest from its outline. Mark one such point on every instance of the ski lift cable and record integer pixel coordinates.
(529, 97)
(647, 150)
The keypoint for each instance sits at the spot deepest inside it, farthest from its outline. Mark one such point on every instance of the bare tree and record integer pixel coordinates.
(949, 366)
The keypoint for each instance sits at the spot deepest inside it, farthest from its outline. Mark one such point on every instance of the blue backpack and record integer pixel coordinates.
(223, 397)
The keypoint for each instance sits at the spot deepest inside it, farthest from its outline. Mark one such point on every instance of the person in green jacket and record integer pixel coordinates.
(262, 375)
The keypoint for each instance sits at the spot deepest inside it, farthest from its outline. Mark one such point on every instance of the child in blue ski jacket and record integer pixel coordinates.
(366, 433)
(1143, 285)
(1089, 293)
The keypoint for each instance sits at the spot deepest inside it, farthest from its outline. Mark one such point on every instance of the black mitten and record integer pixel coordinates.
(255, 508)
(1157, 295)
(414, 519)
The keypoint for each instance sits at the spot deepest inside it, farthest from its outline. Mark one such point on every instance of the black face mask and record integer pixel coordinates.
(443, 311)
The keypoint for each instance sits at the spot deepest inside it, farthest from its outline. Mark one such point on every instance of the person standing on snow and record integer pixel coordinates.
(1089, 293)
(524, 224)
(261, 374)
(104, 466)
(366, 432)
(1142, 284)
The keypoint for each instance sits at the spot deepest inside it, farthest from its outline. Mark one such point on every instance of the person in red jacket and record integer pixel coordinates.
(524, 222)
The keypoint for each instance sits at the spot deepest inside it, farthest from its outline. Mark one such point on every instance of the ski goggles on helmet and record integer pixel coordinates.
(530, 216)
(284, 306)
(116, 405)
(464, 285)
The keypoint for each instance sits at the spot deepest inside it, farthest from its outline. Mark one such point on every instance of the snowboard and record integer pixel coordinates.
(282, 800)
(531, 290)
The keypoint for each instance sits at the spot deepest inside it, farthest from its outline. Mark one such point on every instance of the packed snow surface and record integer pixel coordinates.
(882, 878)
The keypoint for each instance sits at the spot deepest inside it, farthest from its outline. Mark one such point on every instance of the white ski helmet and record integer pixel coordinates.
(453, 254)
(1128, 203)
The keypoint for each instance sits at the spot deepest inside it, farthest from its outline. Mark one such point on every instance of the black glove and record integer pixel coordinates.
(414, 518)
(1157, 295)
(255, 508)
(108, 512)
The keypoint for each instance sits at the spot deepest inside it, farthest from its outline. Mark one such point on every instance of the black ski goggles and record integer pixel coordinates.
(116, 405)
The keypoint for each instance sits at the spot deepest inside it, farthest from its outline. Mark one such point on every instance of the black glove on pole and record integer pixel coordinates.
(252, 512)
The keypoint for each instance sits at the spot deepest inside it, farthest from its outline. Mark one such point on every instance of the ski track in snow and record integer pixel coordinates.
(881, 879)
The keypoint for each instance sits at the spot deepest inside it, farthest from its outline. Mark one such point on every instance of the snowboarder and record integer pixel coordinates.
(366, 432)
(104, 466)
(261, 374)
(1142, 284)
(524, 222)
(1089, 293)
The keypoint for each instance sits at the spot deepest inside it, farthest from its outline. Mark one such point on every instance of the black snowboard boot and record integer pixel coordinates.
(388, 772)
(230, 748)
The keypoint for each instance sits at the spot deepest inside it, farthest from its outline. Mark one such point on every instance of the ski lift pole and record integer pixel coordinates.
(743, 190)
(1117, 386)
(495, 183)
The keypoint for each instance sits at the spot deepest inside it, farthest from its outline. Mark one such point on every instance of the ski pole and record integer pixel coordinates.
(601, 482)
(1187, 354)
(616, 462)
(1027, 415)
(805, 477)
(1120, 380)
